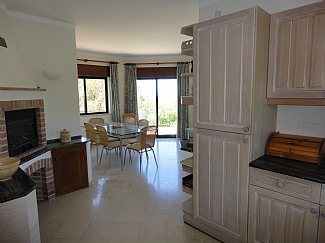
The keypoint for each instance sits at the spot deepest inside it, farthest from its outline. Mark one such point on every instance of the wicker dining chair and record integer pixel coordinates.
(96, 120)
(104, 141)
(125, 115)
(143, 123)
(129, 120)
(92, 135)
(100, 120)
(146, 143)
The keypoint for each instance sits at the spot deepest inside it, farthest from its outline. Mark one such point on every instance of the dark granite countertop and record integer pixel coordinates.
(21, 184)
(52, 144)
(18, 186)
(299, 169)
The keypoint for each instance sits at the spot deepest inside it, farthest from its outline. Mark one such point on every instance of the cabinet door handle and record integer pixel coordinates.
(280, 184)
(246, 129)
(313, 210)
(323, 214)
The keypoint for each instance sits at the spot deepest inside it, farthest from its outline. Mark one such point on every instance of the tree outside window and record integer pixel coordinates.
(92, 95)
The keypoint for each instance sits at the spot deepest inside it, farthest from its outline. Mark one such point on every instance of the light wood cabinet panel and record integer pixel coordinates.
(322, 198)
(278, 218)
(221, 176)
(230, 72)
(284, 184)
(321, 230)
(70, 168)
(223, 60)
(297, 54)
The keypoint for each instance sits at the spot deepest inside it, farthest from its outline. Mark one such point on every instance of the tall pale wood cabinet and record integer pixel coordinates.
(232, 120)
(297, 50)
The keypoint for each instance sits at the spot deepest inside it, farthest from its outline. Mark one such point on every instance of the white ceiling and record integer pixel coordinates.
(118, 27)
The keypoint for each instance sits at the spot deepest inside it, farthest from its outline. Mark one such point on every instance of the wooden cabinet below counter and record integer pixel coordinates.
(70, 168)
(285, 208)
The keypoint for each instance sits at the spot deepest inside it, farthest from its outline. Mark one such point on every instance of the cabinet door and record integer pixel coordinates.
(278, 218)
(297, 53)
(221, 179)
(223, 54)
(321, 230)
(70, 168)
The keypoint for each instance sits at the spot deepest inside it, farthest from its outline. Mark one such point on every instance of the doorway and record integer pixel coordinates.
(157, 102)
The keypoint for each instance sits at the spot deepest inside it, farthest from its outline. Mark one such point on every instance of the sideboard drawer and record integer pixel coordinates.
(288, 185)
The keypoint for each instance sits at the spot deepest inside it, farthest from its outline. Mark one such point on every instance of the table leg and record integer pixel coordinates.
(121, 153)
(97, 151)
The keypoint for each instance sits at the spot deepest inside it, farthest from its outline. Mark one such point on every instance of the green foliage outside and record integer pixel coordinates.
(147, 109)
(95, 90)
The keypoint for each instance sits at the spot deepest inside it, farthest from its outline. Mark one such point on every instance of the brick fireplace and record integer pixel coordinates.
(41, 170)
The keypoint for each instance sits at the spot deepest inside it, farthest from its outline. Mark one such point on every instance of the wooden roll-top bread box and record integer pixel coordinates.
(307, 149)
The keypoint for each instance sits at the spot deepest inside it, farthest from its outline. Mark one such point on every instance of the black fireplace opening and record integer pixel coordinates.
(22, 132)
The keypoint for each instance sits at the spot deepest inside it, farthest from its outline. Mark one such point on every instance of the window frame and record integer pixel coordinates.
(85, 95)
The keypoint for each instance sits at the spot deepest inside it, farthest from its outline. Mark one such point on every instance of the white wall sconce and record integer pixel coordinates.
(51, 74)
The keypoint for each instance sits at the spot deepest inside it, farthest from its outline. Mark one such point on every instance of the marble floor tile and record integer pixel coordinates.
(124, 206)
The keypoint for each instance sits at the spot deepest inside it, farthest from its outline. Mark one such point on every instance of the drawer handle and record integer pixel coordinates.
(280, 184)
(322, 213)
(313, 210)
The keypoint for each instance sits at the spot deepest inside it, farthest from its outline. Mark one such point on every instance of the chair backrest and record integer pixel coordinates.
(96, 120)
(103, 136)
(91, 132)
(125, 115)
(148, 136)
(143, 123)
(129, 120)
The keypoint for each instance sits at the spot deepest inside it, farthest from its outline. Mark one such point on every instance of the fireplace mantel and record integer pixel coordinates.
(22, 89)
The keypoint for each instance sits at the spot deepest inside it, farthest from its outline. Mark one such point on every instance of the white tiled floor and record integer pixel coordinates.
(124, 206)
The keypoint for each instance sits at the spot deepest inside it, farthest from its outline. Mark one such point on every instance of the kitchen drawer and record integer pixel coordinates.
(322, 198)
(288, 185)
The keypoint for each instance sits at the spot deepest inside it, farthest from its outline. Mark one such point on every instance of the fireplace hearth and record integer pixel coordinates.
(39, 170)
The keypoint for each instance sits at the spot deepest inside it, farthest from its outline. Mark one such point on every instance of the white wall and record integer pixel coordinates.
(14, 71)
(299, 120)
(36, 44)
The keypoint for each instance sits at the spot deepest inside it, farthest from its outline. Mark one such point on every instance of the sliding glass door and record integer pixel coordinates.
(157, 102)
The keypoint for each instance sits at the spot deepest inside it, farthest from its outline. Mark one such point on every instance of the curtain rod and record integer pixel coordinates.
(153, 63)
(90, 60)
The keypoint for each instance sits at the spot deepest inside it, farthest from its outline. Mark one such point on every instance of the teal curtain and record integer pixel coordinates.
(130, 100)
(116, 114)
(183, 90)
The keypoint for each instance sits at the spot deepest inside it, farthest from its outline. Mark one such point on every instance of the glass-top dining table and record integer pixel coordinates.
(120, 131)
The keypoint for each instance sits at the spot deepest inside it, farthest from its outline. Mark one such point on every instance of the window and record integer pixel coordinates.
(92, 95)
